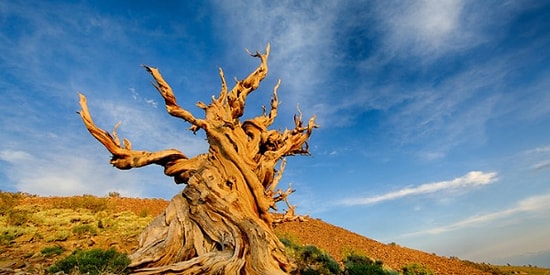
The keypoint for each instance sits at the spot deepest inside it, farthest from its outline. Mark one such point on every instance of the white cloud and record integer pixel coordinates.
(472, 179)
(14, 155)
(430, 28)
(64, 173)
(532, 204)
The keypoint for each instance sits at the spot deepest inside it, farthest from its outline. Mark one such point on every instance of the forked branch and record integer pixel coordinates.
(170, 100)
(237, 95)
(123, 155)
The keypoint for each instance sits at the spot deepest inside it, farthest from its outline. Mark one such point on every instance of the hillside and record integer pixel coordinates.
(30, 225)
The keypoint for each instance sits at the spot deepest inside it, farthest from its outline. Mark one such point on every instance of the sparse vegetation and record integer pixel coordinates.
(17, 217)
(310, 259)
(92, 203)
(484, 267)
(48, 231)
(59, 236)
(416, 269)
(114, 194)
(52, 250)
(8, 201)
(531, 270)
(93, 262)
(83, 229)
(358, 264)
(8, 234)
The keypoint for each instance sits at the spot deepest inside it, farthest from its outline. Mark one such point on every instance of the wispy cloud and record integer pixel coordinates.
(539, 156)
(541, 165)
(538, 150)
(425, 27)
(65, 174)
(302, 42)
(529, 205)
(470, 180)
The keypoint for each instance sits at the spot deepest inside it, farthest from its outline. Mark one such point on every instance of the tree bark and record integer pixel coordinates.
(221, 222)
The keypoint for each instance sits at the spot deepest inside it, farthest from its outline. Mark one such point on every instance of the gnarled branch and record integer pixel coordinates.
(123, 156)
(170, 100)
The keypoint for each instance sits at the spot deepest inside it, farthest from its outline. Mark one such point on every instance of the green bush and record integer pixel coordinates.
(311, 260)
(416, 269)
(358, 265)
(93, 262)
(52, 250)
(83, 229)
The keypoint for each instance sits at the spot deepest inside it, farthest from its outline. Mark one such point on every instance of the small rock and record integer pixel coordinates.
(90, 242)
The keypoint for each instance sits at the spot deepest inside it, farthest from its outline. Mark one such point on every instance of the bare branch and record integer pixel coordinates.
(123, 156)
(278, 176)
(237, 95)
(170, 100)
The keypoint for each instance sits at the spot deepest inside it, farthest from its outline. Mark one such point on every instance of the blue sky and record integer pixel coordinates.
(435, 115)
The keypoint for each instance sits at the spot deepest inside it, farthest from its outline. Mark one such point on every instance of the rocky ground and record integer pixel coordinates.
(338, 241)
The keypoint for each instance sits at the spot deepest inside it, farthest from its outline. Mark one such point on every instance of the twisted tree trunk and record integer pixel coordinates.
(221, 222)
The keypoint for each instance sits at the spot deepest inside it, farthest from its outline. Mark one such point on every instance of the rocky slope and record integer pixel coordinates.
(337, 241)
(122, 219)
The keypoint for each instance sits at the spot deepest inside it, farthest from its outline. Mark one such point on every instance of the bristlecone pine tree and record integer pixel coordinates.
(222, 221)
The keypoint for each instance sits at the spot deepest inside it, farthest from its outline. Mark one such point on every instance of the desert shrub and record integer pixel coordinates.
(52, 250)
(318, 260)
(8, 201)
(416, 269)
(358, 264)
(10, 233)
(310, 259)
(114, 194)
(6, 237)
(144, 213)
(483, 267)
(83, 229)
(93, 262)
(61, 235)
(17, 217)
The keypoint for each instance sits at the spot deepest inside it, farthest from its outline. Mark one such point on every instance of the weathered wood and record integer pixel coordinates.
(221, 222)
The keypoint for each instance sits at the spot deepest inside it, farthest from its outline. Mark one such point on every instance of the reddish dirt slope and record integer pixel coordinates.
(336, 240)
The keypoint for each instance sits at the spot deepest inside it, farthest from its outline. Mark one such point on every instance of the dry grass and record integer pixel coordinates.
(530, 270)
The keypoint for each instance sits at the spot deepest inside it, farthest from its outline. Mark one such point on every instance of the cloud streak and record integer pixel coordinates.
(528, 205)
(470, 180)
